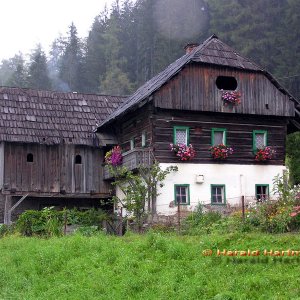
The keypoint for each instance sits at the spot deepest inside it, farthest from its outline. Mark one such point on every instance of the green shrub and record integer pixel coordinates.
(6, 229)
(91, 217)
(87, 230)
(200, 222)
(164, 228)
(49, 222)
(45, 222)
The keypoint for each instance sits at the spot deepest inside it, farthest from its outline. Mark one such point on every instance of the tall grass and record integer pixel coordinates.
(153, 266)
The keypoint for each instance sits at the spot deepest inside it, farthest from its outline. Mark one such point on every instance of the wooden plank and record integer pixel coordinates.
(13, 168)
(2, 163)
(200, 80)
(18, 161)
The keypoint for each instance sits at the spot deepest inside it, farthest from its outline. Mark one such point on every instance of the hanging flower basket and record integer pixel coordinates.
(265, 154)
(220, 151)
(231, 97)
(114, 156)
(183, 152)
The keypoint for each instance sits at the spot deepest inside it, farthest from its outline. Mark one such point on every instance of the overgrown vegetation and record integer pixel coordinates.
(139, 189)
(293, 157)
(140, 192)
(152, 266)
(156, 265)
(267, 217)
(49, 222)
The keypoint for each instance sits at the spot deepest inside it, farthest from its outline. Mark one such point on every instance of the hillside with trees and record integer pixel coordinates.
(132, 41)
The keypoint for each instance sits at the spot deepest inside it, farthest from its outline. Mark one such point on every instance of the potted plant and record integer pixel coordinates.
(220, 151)
(114, 156)
(183, 152)
(265, 154)
(231, 97)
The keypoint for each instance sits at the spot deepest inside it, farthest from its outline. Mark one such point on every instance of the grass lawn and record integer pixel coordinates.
(152, 266)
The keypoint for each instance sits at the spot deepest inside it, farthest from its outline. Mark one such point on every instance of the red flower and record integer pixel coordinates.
(264, 154)
(183, 151)
(220, 151)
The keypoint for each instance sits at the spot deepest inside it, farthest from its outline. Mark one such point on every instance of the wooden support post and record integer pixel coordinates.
(178, 213)
(65, 221)
(7, 207)
(243, 207)
(120, 229)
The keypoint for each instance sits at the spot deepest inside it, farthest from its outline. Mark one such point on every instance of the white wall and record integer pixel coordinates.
(238, 179)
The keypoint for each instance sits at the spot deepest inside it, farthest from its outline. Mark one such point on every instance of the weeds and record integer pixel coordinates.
(150, 266)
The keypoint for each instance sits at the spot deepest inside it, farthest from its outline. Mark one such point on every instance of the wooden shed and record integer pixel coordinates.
(49, 155)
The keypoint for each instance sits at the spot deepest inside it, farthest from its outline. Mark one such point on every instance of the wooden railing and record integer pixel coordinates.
(133, 159)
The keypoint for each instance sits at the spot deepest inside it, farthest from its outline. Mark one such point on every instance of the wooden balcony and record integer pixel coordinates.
(133, 159)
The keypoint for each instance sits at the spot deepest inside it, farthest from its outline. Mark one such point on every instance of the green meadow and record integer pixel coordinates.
(150, 266)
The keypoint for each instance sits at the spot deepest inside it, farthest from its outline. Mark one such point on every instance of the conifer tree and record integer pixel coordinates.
(38, 77)
(18, 72)
(70, 69)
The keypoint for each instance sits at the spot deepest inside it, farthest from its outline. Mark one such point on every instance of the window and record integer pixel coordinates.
(29, 157)
(181, 135)
(218, 136)
(78, 159)
(227, 83)
(182, 194)
(144, 139)
(261, 192)
(132, 143)
(259, 139)
(218, 195)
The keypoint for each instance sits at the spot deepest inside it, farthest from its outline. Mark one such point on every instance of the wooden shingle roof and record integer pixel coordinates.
(48, 117)
(212, 51)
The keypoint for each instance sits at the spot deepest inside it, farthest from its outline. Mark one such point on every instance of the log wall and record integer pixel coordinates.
(239, 135)
(133, 126)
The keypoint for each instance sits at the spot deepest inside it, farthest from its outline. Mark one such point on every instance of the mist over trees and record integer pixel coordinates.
(132, 41)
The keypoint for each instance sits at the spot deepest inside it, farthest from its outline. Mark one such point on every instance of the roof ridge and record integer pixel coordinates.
(237, 53)
(183, 60)
(233, 59)
(25, 90)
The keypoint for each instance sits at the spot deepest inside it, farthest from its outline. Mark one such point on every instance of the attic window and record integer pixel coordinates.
(29, 157)
(78, 159)
(227, 83)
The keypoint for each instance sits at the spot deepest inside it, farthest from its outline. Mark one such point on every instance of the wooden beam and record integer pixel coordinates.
(7, 218)
(7, 206)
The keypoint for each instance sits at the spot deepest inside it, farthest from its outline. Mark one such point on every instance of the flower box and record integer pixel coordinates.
(183, 152)
(231, 97)
(265, 154)
(220, 151)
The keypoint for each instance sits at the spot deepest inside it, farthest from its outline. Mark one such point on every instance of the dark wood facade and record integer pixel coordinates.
(53, 169)
(239, 135)
(159, 125)
(133, 126)
(186, 94)
(195, 89)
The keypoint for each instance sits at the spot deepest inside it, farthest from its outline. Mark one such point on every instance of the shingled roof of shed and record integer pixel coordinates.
(212, 51)
(49, 117)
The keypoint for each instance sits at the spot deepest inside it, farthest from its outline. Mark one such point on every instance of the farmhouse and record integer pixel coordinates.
(226, 118)
(49, 155)
(212, 101)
